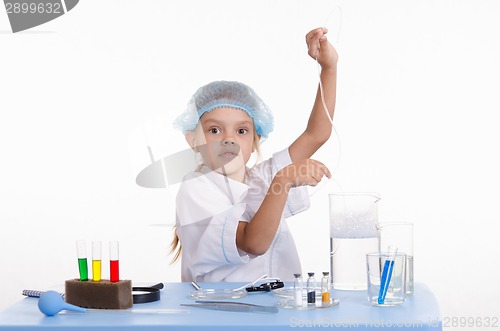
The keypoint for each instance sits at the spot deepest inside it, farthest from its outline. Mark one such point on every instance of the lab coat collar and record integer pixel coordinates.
(235, 191)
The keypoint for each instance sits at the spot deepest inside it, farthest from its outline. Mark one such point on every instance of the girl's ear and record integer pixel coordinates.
(191, 139)
(256, 141)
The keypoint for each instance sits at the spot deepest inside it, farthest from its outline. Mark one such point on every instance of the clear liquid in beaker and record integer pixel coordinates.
(348, 261)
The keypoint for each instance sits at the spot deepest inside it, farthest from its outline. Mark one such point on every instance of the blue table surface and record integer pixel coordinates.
(420, 312)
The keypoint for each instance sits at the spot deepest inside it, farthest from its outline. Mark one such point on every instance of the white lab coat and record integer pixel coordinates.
(209, 208)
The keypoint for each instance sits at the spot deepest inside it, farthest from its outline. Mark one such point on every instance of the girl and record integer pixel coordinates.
(230, 219)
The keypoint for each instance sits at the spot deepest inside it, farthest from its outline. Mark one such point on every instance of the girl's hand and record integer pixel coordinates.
(319, 48)
(304, 172)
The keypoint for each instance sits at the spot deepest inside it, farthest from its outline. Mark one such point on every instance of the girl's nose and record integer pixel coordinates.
(228, 140)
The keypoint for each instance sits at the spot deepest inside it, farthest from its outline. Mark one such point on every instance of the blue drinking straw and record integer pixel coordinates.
(386, 275)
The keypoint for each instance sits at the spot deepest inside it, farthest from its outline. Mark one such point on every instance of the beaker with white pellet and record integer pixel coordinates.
(353, 234)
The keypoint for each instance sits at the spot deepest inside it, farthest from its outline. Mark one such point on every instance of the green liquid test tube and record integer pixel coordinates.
(84, 271)
(81, 250)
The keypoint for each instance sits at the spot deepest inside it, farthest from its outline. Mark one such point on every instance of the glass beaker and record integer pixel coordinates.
(386, 278)
(353, 234)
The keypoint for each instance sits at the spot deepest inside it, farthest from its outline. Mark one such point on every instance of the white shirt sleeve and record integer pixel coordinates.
(298, 197)
(262, 176)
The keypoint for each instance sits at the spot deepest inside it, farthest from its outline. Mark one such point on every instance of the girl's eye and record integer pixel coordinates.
(214, 130)
(242, 131)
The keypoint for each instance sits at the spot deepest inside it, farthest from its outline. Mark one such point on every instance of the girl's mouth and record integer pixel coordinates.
(228, 155)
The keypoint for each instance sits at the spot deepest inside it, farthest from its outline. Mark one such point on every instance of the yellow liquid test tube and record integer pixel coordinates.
(96, 270)
(96, 261)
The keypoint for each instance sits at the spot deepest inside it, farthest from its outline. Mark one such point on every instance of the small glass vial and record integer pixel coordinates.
(297, 290)
(311, 289)
(325, 287)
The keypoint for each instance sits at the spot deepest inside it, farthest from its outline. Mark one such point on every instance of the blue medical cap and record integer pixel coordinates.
(228, 94)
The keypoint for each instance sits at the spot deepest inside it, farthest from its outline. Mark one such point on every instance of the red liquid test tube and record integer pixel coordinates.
(114, 267)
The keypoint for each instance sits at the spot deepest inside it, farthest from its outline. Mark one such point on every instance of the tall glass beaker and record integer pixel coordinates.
(353, 234)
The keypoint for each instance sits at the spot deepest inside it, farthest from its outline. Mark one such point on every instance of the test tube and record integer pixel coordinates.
(385, 278)
(96, 261)
(311, 289)
(81, 252)
(114, 273)
(325, 287)
(297, 289)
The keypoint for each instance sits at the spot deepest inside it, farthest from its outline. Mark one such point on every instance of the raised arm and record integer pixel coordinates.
(318, 128)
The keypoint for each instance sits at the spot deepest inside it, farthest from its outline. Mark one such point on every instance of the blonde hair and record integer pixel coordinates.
(175, 244)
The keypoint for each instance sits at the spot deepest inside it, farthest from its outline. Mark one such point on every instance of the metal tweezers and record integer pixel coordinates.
(233, 306)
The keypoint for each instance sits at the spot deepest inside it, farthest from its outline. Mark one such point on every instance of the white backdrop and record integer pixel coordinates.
(82, 96)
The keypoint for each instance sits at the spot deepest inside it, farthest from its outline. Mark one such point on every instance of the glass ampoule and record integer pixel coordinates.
(297, 290)
(325, 287)
(311, 289)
